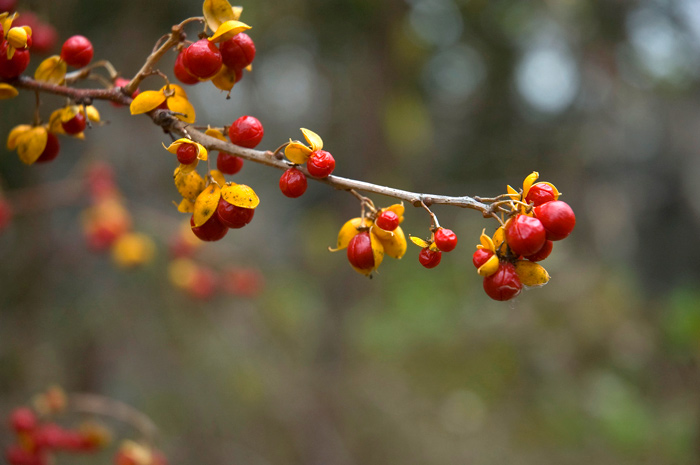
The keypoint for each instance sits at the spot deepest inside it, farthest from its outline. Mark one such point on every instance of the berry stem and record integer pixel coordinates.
(433, 217)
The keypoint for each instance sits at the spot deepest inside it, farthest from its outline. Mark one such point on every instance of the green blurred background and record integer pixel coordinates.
(414, 366)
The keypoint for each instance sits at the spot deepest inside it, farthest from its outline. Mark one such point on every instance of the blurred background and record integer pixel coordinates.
(319, 365)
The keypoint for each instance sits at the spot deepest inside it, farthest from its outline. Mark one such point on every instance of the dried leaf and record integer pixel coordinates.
(313, 139)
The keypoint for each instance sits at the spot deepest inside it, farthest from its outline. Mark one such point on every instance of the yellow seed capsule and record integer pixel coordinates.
(490, 267)
(350, 230)
(188, 184)
(394, 242)
(531, 273)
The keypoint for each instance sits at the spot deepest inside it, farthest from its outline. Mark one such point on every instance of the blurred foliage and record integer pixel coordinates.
(413, 366)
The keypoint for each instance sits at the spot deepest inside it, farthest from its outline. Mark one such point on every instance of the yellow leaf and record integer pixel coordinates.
(240, 195)
(531, 273)
(206, 203)
(227, 30)
(217, 12)
(52, 70)
(419, 242)
(183, 106)
(146, 101)
(218, 177)
(237, 11)
(529, 181)
(224, 79)
(7, 91)
(15, 133)
(31, 144)
(296, 152)
(185, 206)
(188, 184)
(175, 90)
(512, 193)
(92, 113)
(313, 139)
(490, 267)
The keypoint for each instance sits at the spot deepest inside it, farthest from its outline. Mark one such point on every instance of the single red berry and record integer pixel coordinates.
(238, 51)
(212, 230)
(540, 193)
(445, 239)
(18, 455)
(51, 150)
(525, 235)
(228, 164)
(387, 220)
(5, 213)
(543, 252)
(8, 5)
(187, 153)
(181, 72)
(202, 59)
(75, 125)
(360, 254)
(429, 258)
(293, 183)
(246, 131)
(232, 216)
(12, 68)
(23, 419)
(320, 164)
(504, 284)
(77, 51)
(558, 219)
(481, 256)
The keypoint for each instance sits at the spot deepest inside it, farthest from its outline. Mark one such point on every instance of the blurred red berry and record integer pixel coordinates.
(12, 68)
(558, 219)
(202, 59)
(77, 51)
(51, 150)
(181, 72)
(23, 419)
(75, 125)
(542, 253)
(540, 193)
(228, 164)
(211, 230)
(187, 153)
(481, 256)
(360, 254)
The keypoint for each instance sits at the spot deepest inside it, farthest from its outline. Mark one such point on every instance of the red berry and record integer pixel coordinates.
(77, 51)
(5, 213)
(18, 455)
(202, 59)
(540, 193)
(543, 252)
(187, 153)
(232, 216)
(293, 183)
(445, 239)
(23, 419)
(75, 125)
(320, 164)
(429, 258)
(246, 131)
(181, 73)
(212, 230)
(481, 256)
(238, 51)
(558, 219)
(11, 68)
(525, 235)
(360, 254)
(504, 284)
(51, 150)
(8, 5)
(387, 220)
(228, 164)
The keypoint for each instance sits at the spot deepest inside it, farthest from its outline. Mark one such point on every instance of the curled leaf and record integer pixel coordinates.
(529, 181)
(206, 203)
(92, 113)
(419, 242)
(52, 70)
(296, 152)
(146, 101)
(217, 12)
(201, 150)
(313, 139)
(240, 195)
(486, 242)
(490, 267)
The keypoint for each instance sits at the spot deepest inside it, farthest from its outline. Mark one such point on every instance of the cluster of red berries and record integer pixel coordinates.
(443, 240)
(509, 260)
(37, 440)
(319, 163)
(203, 60)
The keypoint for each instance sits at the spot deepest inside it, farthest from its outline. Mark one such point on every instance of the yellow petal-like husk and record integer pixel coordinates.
(183, 106)
(296, 152)
(218, 177)
(377, 250)
(486, 242)
(531, 273)
(185, 206)
(70, 112)
(18, 36)
(6, 20)
(240, 195)
(206, 203)
(394, 245)
(215, 133)
(512, 193)
(490, 267)
(419, 242)
(133, 249)
(146, 101)
(188, 184)
(31, 144)
(529, 181)
(225, 79)
(7, 91)
(178, 90)
(190, 167)
(217, 12)
(201, 150)
(228, 30)
(92, 113)
(52, 70)
(397, 208)
(350, 230)
(499, 238)
(313, 139)
(15, 133)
